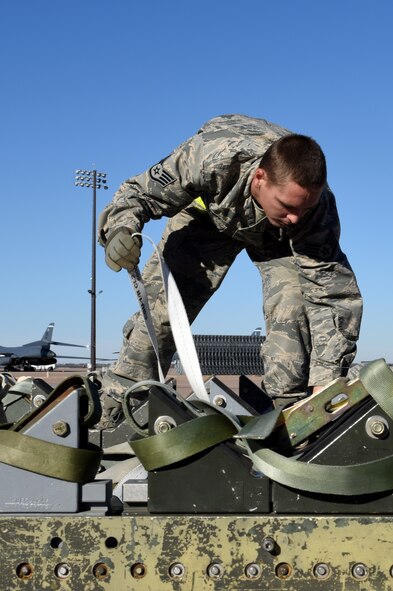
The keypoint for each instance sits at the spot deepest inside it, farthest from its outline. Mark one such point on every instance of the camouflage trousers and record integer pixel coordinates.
(199, 257)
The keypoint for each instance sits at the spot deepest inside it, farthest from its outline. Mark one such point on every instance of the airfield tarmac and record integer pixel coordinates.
(53, 378)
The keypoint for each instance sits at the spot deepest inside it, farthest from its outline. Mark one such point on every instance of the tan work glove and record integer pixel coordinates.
(122, 250)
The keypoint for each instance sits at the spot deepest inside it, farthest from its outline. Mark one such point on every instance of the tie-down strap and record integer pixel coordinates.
(51, 459)
(201, 433)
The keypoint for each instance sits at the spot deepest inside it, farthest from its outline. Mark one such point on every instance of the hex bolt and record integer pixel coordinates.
(176, 570)
(360, 571)
(61, 428)
(62, 570)
(220, 401)
(321, 570)
(38, 400)
(252, 571)
(215, 570)
(269, 544)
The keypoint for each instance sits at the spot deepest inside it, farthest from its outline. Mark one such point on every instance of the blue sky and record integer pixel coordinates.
(116, 85)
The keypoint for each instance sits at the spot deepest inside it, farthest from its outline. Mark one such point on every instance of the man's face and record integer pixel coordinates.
(283, 204)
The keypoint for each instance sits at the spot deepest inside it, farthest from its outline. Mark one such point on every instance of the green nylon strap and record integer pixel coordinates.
(377, 378)
(184, 441)
(369, 477)
(49, 459)
(357, 479)
(262, 426)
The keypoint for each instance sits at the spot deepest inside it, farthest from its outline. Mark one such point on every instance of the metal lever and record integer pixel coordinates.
(311, 414)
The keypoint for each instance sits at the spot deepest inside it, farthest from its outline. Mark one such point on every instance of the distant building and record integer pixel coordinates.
(227, 354)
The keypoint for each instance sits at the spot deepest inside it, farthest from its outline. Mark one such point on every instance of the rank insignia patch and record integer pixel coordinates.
(160, 175)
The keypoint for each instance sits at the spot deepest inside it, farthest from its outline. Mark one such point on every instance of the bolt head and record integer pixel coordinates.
(283, 570)
(62, 570)
(360, 571)
(321, 571)
(268, 544)
(378, 428)
(220, 401)
(252, 571)
(176, 570)
(61, 428)
(214, 570)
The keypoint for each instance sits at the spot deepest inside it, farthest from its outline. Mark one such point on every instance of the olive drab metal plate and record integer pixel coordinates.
(196, 553)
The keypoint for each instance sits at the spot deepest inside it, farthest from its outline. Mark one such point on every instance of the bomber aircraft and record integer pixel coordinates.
(24, 357)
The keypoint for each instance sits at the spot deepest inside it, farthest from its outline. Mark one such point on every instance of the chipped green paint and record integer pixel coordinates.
(157, 553)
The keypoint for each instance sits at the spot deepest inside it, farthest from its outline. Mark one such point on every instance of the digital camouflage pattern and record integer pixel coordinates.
(312, 303)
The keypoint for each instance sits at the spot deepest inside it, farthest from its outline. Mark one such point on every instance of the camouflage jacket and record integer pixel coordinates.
(218, 164)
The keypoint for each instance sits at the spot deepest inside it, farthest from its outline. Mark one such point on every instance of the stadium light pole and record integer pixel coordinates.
(95, 180)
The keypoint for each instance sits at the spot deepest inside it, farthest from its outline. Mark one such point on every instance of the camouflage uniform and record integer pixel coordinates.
(312, 304)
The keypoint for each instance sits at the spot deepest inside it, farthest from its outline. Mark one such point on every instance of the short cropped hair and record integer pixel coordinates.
(296, 158)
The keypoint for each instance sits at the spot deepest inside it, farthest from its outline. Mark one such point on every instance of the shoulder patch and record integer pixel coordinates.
(160, 175)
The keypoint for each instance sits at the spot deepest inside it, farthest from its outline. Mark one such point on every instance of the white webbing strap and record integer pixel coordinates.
(180, 326)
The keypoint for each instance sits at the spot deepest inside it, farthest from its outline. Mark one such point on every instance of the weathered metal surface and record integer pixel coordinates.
(196, 553)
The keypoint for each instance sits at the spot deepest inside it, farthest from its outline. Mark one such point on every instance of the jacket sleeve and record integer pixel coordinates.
(163, 190)
(331, 294)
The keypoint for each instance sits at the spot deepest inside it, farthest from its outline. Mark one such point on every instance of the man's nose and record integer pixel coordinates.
(293, 218)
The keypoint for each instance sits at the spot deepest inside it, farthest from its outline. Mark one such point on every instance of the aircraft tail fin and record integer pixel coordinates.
(47, 336)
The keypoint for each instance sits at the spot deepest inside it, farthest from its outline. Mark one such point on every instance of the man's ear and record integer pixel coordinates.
(260, 176)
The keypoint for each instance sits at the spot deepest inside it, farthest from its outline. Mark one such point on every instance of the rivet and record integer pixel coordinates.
(176, 571)
(24, 570)
(360, 571)
(269, 544)
(138, 570)
(100, 571)
(321, 570)
(283, 570)
(62, 570)
(215, 570)
(252, 571)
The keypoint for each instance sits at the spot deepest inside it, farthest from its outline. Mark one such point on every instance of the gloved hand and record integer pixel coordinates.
(122, 250)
